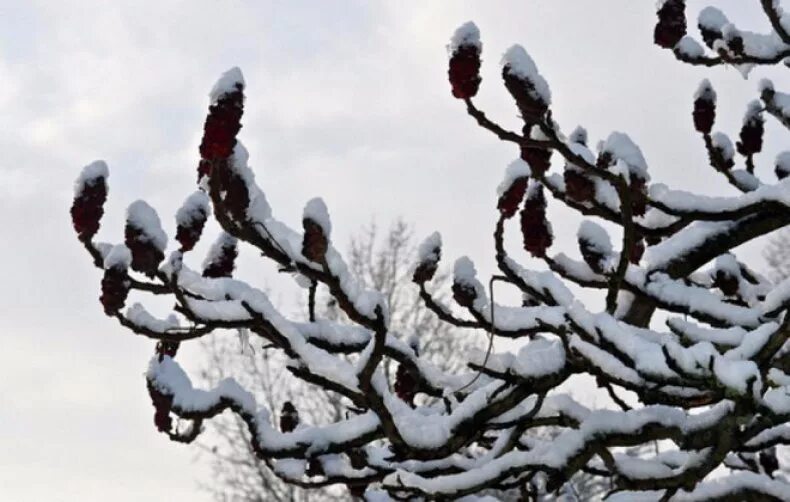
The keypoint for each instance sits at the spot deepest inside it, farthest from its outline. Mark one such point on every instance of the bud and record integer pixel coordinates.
(406, 383)
(90, 194)
(751, 136)
(221, 258)
(526, 85)
(782, 165)
(595, 246)
(115, 284)
(578, 186)
(671, 26)
(429, 253)
(289, 417)
(317, 228)
(535, 228)
(145, 238)
(704, 107)
(511, 190)
(223, 121)
(464, 72)
(190, 220)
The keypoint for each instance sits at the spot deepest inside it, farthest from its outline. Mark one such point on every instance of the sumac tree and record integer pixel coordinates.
(713, 381)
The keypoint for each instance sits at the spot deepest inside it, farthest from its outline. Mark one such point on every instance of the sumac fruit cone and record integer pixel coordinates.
(535, 228)
(510, 200)
(671, 26)
(114, 289)
(146, 257)
(88, 208)
(314, 242)
(464, 71)
(578, 186)
(222, 125)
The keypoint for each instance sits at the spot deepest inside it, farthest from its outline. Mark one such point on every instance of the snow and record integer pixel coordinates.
(782, 162)
(138, 315)
(595, 236)
(518, 63)
(705, 91)
(316, 210)
(515, 170)
(722, 142)
(196, 207)
(689, 47)
(89, 175)
(466, 34)
(227, 83)
(429, 249)
(118, 257)
(578, 135)
(712, 19)
(464, 271)
(143, 217)
(215, 252)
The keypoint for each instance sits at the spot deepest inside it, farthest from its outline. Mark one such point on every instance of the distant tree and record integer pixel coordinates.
(384, 263)
(714, 386)
(777, 254)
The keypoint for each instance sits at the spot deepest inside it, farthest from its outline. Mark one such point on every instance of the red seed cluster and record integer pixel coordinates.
(233, 189)
(671, 26)
(405, 383)
(535, 227)
(188, 232)
(751, 136)
(539, 159)
(464, 294)
(704, 113)
(163, 403)
(464, 71)
(578, 186)
(222, 125)
(289, 417)
(510, 200)
(114, 289)
(532, 108)
(638, 192)
(637, 251)
(314, 242)
(222, 264)
(425, 271)
(146, 257)
(88, 208)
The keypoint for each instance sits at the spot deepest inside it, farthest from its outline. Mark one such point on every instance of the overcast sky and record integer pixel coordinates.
(346, 100)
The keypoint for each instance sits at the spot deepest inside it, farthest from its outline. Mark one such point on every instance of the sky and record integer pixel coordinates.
(347, 100)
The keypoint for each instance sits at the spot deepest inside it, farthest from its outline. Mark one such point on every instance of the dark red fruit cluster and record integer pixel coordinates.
(539, 159)
(464, 72)
(464, 294)
(163, 403)
(314, 242)
(145, 256)
(188, 232)
(233, 189)
(704, 112)
(751, 137)
(637, 251)
(223, 264)
(532, 108)
(638, 192)
(535, 227)
(671, 26)
(289, 417)
(578, 186)
(592, 255)
(114, 289)
(222, 125)
(425, 271)
(510, 200)
(405, 383)
(88, 208)
(726, 282)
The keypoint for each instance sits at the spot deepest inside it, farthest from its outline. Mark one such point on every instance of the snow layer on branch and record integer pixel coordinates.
(540, 357)
(712, 19)
(258, 209)
(683, 242)
(696, 333)
(119, 256)
(680, 200)
(595, 236)
(89, 174)
(226, 84)
(516, 169)
(620, 146)
(732, 484)
(316, 210)
(778, 400)
(138, 315)
(466, 34)
(688, 46)
(195, 205)
(521, 65)
(778, 297)
(144, 217)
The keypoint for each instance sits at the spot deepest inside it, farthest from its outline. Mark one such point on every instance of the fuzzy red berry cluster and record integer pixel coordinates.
(88, 208)
(223, 124)
(535, 227)
(671, 26)
(114, 289)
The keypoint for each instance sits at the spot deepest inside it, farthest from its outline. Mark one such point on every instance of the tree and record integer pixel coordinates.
(714, 385)
(380, 262)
